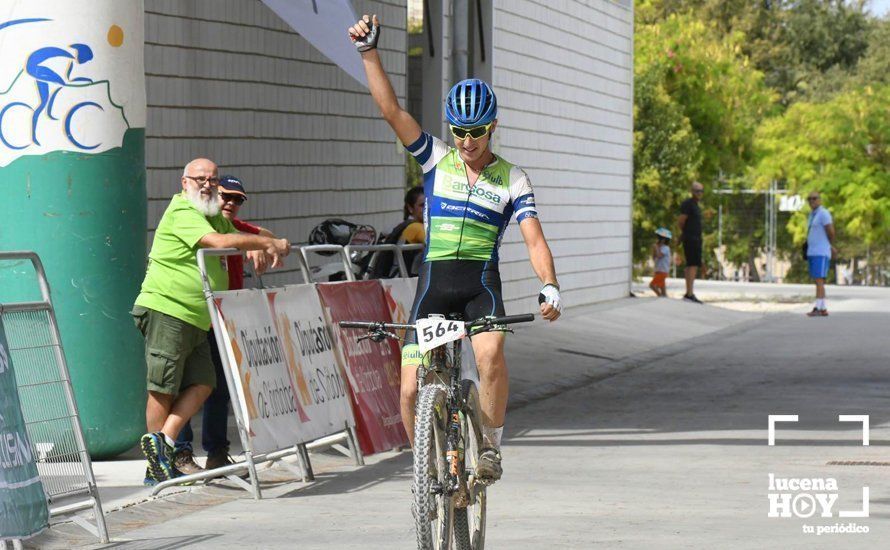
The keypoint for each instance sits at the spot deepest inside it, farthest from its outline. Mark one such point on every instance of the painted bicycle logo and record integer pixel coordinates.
(61, 103)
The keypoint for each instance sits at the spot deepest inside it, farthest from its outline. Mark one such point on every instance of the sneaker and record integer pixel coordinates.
(816, 313)
(158, 454)
(185, 463)
(149, 480)
(218, 459)
(488, 468)
(691, 298)
(823, 312)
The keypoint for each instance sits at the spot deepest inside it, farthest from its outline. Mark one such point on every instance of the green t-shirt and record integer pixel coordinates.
(172, 282)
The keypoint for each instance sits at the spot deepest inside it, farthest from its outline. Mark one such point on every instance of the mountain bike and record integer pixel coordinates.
(449, 500)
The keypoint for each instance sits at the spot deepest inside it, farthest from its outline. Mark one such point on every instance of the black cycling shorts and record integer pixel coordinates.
(692, 251)
(470, 288)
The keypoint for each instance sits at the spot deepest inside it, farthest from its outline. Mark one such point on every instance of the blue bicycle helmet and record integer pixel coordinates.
(471, 103)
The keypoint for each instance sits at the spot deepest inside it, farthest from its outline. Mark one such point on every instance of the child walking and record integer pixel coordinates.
(661, 254)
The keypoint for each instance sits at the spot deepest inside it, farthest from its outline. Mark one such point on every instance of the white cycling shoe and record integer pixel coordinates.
(488, 468)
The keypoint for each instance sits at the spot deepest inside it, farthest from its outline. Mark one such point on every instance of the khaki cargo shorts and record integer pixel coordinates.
(177, 353)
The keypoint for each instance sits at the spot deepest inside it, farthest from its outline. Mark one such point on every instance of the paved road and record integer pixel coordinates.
(669, 452)
(840, 298)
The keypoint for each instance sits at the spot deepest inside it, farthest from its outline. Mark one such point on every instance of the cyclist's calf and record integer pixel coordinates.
(494, 384)
(411, 359)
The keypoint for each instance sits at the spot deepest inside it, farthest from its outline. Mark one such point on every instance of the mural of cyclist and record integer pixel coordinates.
(46, 77)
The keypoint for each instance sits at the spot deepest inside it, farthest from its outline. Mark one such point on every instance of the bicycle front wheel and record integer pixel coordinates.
(433, 508)
(469, 522)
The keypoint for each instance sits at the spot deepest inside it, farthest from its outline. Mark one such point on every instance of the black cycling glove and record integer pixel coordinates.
(369, 41)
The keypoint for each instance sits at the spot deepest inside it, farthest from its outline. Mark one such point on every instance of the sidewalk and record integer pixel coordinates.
(587, 344)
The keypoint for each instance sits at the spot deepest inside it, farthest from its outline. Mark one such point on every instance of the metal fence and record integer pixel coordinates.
(48, 404)
(343, 442)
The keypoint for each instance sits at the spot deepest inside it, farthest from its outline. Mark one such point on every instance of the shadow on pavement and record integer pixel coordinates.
(397, 467)
(731, 381)
(165, 543)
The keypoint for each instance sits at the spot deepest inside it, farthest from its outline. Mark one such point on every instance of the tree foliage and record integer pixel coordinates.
(697, 106)
(804, 80)
(839, 148)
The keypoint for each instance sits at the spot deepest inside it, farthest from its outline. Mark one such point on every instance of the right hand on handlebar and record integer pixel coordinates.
(365, 33)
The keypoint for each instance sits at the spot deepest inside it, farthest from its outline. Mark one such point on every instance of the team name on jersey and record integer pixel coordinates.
(477, 190)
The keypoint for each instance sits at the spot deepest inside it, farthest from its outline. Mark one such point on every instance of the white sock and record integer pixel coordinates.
(491, 437)
(820, 303)
(169, 440)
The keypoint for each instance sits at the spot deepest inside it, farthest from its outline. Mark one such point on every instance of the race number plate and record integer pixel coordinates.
(435, 331)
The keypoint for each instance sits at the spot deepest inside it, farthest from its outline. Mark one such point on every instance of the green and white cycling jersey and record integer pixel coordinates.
(463, 223)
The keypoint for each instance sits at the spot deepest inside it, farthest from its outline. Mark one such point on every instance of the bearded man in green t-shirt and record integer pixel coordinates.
(172, 314)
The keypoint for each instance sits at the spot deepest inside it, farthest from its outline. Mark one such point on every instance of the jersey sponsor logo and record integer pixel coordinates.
(477, 191)
(529, 201)
(462, 210)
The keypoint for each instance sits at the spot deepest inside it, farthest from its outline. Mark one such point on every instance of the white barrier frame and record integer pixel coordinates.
(348, 266)
(251, 459)
(100, 530)
(398, 251)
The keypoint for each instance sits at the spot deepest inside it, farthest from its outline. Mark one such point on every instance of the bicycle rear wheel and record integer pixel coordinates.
(433, 509)
(469, 522)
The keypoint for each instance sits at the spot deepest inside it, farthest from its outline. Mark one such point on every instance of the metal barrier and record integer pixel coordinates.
(48, 404)
(348, 267)
(251, 459)
(398, 251)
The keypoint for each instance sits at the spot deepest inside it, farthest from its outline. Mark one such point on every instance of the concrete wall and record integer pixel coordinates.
(563, 73)
(229, 80)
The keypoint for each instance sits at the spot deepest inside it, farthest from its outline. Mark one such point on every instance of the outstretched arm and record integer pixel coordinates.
(541, 259)
(276, 248)
(403, 124)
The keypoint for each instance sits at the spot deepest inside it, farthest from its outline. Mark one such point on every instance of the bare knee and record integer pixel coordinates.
(408, 396)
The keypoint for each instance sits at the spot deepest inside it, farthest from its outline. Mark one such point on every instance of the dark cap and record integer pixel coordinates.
(231, 184)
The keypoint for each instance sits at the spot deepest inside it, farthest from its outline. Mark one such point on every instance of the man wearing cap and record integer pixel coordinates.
(172, 314)
(214, 420)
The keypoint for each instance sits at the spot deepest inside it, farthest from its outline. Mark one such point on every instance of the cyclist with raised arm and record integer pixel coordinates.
(471, 194)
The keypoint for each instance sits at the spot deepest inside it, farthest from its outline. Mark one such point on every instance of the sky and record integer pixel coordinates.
(880, 7)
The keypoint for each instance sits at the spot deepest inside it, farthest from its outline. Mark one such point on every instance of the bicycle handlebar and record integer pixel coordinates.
(484, 321)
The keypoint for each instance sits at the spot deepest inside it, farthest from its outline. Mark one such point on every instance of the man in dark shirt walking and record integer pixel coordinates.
(690, 226)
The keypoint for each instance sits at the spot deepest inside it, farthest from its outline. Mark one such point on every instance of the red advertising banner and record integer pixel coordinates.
(372, 368)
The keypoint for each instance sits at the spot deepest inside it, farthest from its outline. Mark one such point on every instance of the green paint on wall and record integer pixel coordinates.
(85, 215)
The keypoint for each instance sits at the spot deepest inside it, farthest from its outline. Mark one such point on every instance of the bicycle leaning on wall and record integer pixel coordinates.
(449, 500)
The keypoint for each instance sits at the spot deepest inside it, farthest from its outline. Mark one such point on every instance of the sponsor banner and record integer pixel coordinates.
(399, 295)
(372, 368)
(308, 344)
(266, 389)
(22, 498)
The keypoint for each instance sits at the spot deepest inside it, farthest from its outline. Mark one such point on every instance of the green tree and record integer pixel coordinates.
(839, 148)
(803, 47)
(698, 103)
